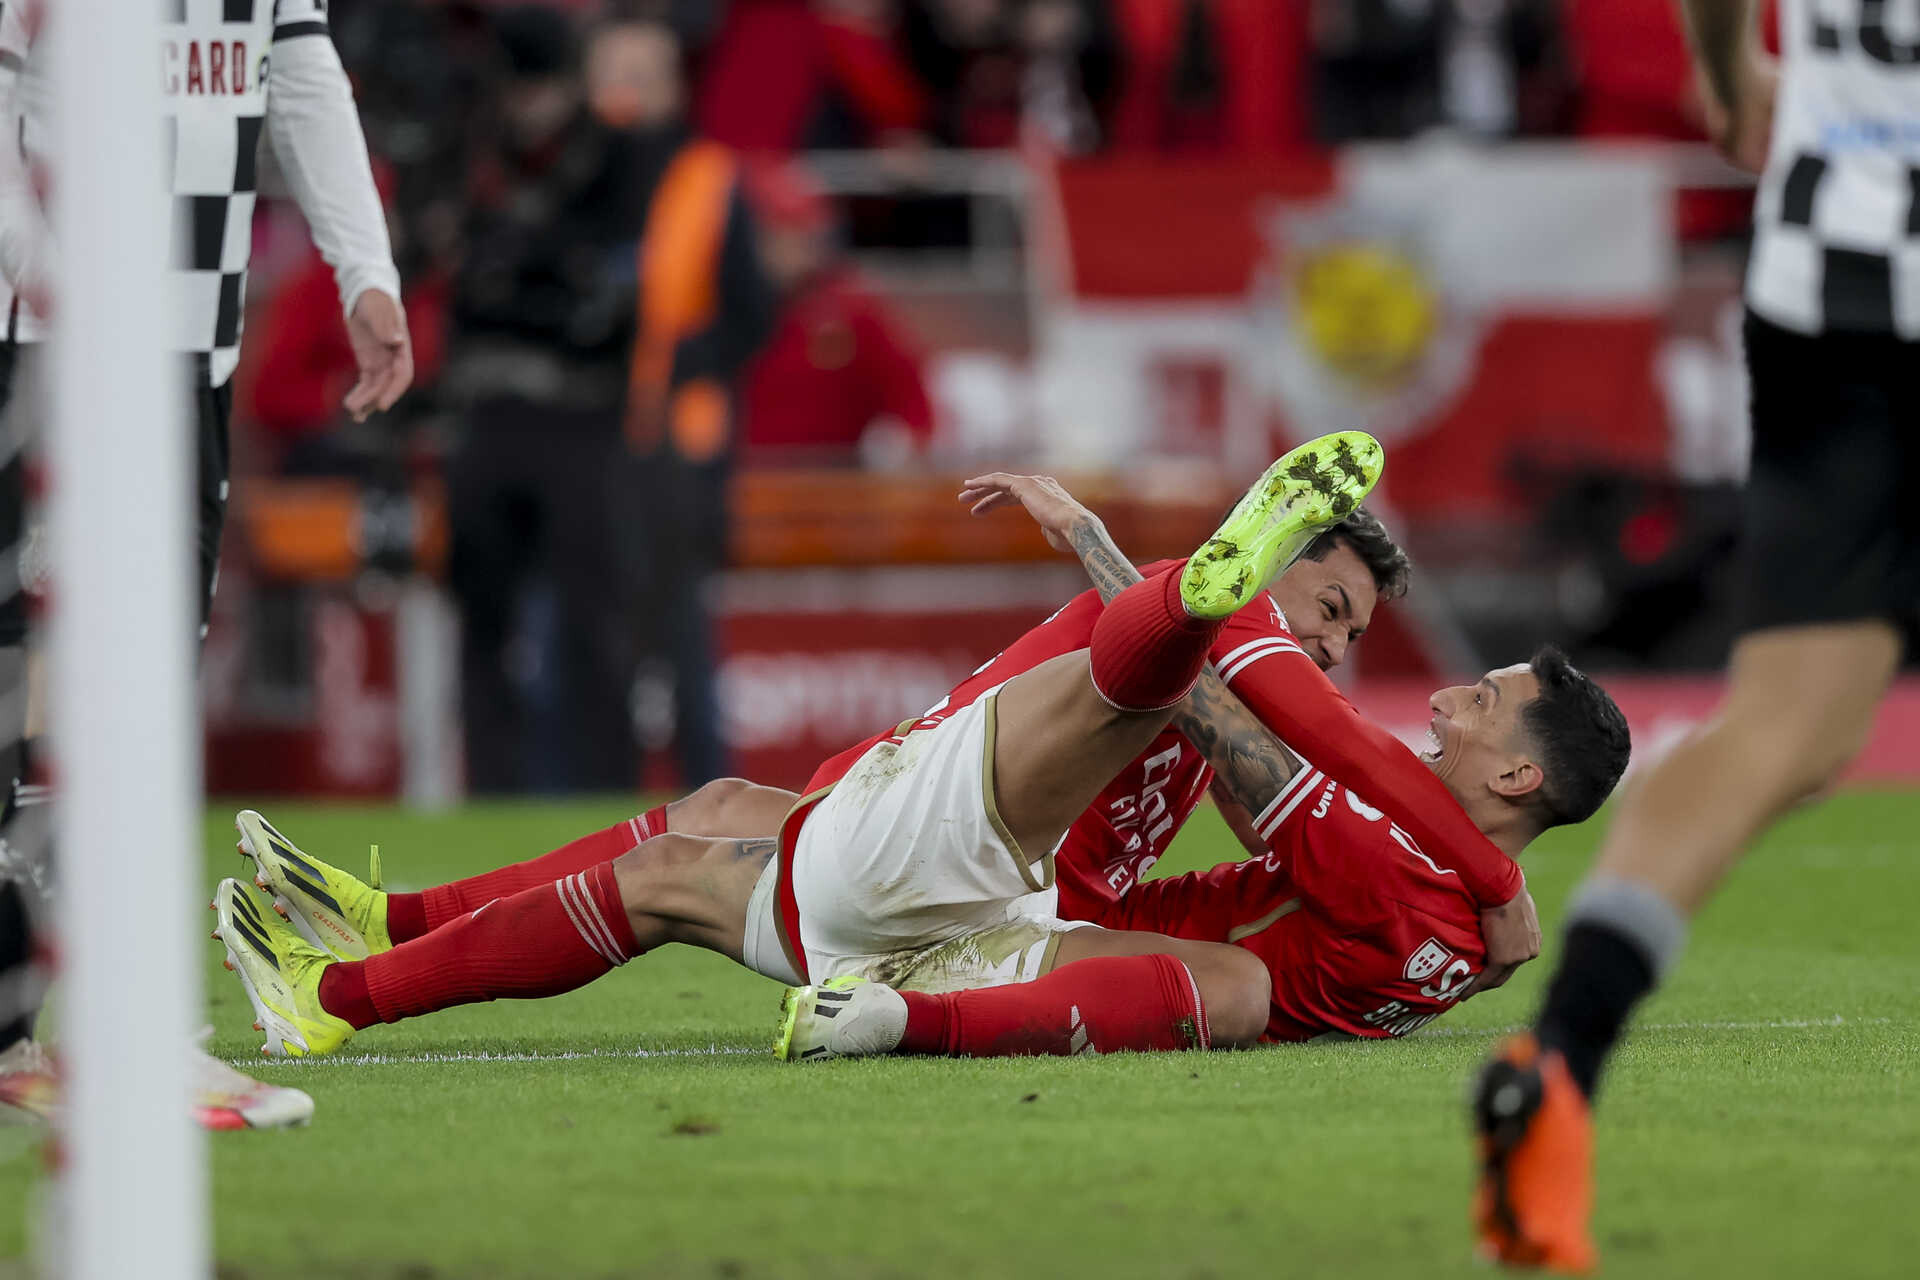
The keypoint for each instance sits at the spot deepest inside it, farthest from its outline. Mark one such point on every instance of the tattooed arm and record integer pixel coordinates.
(1111, 571)
(1068, 525)
(1252, 764)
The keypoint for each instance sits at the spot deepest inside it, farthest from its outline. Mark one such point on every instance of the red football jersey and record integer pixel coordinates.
(1129, 826)
(1124, 833)
(1287, 693)
(1362, 932)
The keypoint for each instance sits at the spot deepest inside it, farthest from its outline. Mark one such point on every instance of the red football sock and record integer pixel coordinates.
(539, 942)
(1148, 651)
(1103, 1004)
(411, 914)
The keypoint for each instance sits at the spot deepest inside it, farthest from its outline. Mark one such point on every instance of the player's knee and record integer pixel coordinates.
(1236, 991)
(653, 875)
(704, 812)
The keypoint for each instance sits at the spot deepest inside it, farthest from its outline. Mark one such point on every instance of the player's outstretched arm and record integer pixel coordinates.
(1069, 526)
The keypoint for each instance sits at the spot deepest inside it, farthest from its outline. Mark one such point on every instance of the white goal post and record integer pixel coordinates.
(132, 1200)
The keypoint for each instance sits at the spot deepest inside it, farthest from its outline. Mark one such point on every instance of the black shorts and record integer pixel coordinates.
(1831, 518)
(212, 409)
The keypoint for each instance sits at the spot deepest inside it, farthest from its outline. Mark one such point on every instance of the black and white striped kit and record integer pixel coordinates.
(1837, 221)
(215, 60)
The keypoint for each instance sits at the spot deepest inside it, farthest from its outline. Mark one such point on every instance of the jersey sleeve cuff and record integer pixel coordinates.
(353, 284)
(294, 30)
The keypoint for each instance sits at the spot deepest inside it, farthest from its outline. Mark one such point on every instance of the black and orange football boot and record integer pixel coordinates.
(1534, 1199)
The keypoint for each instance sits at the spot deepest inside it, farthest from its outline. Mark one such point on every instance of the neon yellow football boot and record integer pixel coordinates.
(333, 910)
(281, 973)
(1300, 497)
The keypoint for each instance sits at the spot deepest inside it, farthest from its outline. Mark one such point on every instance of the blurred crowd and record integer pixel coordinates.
(622, 282)
(509, 138)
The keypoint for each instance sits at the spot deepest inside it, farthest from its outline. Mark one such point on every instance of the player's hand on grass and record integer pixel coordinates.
(383, 349)
(1512, 934)
(1052, 507)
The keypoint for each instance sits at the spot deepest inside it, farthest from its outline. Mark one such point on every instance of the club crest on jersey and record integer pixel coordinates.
(1426, 961)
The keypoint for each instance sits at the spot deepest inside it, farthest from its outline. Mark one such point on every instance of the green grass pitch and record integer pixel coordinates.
(1763, 1121)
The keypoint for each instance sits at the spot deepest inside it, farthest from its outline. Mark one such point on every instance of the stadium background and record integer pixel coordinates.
(1142, 244)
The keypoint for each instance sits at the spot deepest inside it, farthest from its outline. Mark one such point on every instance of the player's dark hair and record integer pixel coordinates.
(1385, 559)
(1581, 736)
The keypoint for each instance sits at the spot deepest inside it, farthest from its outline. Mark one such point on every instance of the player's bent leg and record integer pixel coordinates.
(553, 938)
(1102, 1005)
(352, 918)
(1108, 992)
(540, 942)
(411, 914)
(1056, 743)
(1800, 703)
(1235, 987)
(1066, 727)
(693, 890)
(731, 808)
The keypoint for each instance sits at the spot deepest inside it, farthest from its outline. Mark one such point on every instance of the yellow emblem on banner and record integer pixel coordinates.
(1366, 310)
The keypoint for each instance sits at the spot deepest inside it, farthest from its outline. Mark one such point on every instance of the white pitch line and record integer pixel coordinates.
(1781, 1024)
(564, 1055)
(726, 1051)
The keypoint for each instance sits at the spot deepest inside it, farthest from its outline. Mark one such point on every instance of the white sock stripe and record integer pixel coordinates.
(592, 905)
(1314, 780)
(637, 826)
(560, 888)
(1293, 784)
(560, 891)
(590, 912)
(580, 922)
(1251, 652)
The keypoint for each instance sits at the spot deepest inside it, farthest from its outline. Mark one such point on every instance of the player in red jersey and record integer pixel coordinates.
(1329, 596)
(922, 850)
(1331, 952)
(1362, 931)
(1272, 651)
